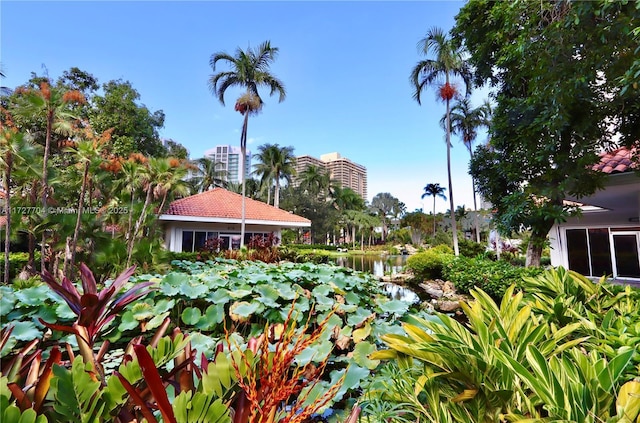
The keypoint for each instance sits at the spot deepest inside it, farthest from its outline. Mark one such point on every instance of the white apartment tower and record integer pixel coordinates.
(231, 159)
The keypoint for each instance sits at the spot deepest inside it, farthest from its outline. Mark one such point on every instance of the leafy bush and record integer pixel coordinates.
(183, 256)
(312, 247)
(401, 236)
(17, 262)
(493, 277)
(470, 248)
(428, 265)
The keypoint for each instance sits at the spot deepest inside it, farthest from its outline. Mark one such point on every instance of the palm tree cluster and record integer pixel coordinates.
(66, 188)
(445, 62)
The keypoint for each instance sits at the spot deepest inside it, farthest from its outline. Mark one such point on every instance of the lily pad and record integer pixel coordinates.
(194, 290)
(361, 355)
(33, 296)
(203, 344)
(316, 353)
(64, 312)
(395, 306)
(285, 291)
(7, 300)
(240, 311)
(156, 320)
(268, 295)
(220, 296)
(25, 331)
(191, 315)
(360, 315)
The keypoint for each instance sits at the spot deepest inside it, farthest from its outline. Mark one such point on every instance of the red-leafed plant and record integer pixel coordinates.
(274, 387)
(94, 309)
(28, 381)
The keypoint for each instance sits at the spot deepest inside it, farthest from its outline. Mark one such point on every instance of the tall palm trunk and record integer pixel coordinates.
(276, 193)
(143, 214)
(475, 204)
(243, 151)
(45, 183)
(434, 215)
(7, 226)
(454, 227)
(76, 230)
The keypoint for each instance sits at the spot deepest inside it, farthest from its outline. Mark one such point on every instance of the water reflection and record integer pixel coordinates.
(397, 292)
(376, 265)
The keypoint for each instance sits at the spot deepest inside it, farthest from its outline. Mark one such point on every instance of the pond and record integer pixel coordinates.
(378, 266)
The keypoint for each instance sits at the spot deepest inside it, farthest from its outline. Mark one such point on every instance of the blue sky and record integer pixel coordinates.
(345, 66)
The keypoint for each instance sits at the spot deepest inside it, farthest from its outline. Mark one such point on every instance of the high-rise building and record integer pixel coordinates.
(349, 174)
(231, 161)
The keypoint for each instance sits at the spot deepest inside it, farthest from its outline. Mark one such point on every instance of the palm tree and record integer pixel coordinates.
(15, 150)
(171, 183)
(465, 121)
(275, 163)
(208, 175)
(434, 190)
(249, 70)
(315, 180)
(51, 103)
(87, 151)
(448, 63)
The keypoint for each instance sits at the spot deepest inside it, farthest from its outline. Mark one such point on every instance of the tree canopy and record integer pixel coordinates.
(557, 70)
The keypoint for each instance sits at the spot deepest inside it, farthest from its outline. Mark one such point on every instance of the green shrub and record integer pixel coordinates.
(428, 265)
(183, 256)
(493, 277)
(442, 249)
(401, 236)
(17, 262)
(470, 248)
(312, 247)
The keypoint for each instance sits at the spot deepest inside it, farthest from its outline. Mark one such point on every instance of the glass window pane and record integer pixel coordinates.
(187, 241)
(577, 251)
(626, 250)
(235, 242)
(600, 252)
(200, 237)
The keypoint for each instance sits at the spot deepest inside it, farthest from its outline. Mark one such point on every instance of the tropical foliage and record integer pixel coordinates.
(560, 100)
(514, 361)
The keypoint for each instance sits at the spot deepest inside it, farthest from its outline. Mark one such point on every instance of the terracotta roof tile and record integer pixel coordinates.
(3, 221)
(617, 161)
(221, 203)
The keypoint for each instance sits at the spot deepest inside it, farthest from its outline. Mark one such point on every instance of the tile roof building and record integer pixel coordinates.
(604, 240)
(217, 213)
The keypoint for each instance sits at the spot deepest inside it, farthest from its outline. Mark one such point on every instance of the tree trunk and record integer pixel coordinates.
(74, 241)
(45, 184)
(454, 227)
(7, 226)
(475, 206)
(243, 151)
(276, 194)
(147, 201)
(534, 249)
(434, 215)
